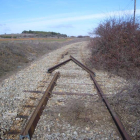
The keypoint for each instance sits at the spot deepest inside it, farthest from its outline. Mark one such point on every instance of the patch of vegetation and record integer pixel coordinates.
(42, 33)
(116, 47)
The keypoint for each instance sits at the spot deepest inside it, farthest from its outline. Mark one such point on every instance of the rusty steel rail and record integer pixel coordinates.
(82, 66)
(115, 117)
(29, 129)
(57, 66)
(75, 61)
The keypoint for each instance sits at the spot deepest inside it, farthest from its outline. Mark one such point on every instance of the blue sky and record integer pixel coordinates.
(71, 17)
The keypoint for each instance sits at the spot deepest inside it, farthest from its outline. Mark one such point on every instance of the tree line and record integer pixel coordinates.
(44, 34)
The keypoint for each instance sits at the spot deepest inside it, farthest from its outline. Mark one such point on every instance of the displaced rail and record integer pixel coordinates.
(50, 70)
(29, 129)
(75, 61)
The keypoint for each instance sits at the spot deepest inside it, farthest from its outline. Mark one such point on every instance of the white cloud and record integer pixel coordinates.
(65, 18)
(61, 21)
(54, 21)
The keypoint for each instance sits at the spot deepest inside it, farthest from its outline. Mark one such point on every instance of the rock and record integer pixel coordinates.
(75, 133)
(87, 128)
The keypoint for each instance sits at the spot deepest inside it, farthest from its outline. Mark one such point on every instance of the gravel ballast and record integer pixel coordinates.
(73, 117)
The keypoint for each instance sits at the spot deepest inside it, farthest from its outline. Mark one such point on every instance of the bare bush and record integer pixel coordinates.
(117, 47)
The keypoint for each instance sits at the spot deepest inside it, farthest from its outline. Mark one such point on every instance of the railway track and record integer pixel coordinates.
(77, 107)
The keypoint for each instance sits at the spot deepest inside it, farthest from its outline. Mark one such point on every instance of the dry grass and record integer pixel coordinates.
(37, 39)
(16, 53)
(127, 104)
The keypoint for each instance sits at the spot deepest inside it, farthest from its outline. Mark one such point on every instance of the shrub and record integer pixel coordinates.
(117, 46)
